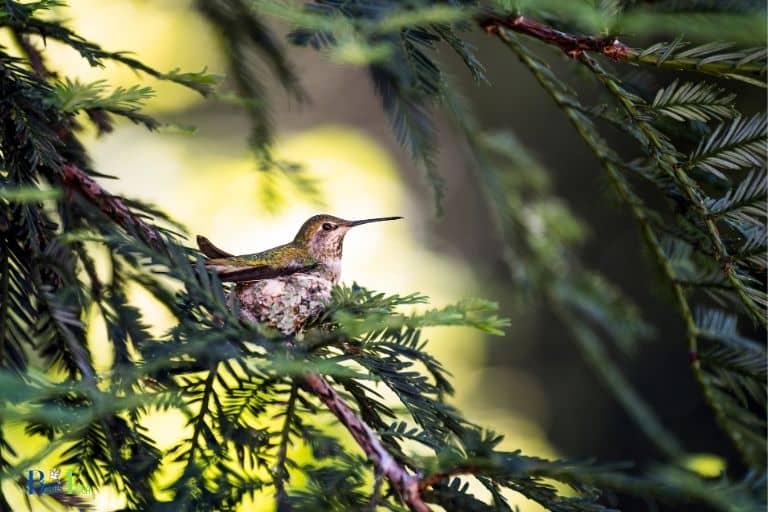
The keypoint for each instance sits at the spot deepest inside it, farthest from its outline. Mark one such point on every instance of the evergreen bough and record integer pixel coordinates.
(249, 394)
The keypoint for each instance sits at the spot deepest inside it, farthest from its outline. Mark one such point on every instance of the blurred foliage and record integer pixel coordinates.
(241, 386)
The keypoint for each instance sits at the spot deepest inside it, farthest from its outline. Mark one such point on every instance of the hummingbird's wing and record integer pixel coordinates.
(280, 261)
(210, 250)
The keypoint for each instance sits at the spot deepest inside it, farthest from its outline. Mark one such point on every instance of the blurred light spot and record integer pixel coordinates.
(705, 464)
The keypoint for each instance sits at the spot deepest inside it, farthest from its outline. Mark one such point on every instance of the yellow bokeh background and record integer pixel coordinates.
(212, 186)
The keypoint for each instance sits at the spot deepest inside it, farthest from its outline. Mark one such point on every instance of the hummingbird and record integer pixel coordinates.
(288, 285)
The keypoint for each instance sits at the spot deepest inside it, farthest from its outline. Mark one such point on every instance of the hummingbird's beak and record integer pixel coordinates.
(353, 223)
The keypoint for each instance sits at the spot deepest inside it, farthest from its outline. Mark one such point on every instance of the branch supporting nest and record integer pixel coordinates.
(406, 484)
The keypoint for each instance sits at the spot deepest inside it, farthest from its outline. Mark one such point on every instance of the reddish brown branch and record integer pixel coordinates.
(406, 484)
(77, 180)
(35, 58)
(572, 44)
(463, 469)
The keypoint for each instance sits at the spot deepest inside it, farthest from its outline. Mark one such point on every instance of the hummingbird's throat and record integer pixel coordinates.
(327, 248)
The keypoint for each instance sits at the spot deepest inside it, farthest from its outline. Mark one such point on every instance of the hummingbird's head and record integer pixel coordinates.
(323, 235)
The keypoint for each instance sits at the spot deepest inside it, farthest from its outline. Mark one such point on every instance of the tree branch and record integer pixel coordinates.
(35, 58)
(573, 45)
(113, 207)
(406, 484)
(435, 478)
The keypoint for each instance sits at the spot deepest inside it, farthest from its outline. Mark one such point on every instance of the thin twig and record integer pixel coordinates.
(406, 484)
(694, 284)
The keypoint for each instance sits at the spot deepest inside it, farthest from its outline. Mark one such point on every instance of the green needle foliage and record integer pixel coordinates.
(696, 188)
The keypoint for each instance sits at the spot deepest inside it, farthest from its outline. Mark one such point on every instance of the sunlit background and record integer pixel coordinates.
(531, 384)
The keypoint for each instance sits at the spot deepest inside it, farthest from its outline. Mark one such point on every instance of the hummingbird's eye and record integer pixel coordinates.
(328, 226)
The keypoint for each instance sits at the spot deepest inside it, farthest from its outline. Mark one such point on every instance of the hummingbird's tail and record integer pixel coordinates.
(210, 250)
